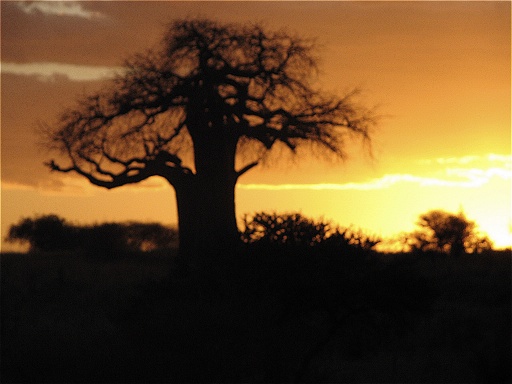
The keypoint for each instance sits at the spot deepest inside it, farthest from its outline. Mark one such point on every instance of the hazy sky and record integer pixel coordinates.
(439, 72)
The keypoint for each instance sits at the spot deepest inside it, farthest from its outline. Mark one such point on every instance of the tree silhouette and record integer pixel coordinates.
(187, 110)
(45, 233)
(52, 233)
(446, 232)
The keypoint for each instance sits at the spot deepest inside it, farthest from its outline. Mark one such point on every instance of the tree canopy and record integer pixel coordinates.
(237, 83)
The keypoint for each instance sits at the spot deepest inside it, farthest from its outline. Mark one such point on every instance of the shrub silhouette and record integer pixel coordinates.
(355, 238)
(44, 233)
(448, 233)
(288, 229)
(52, 233)
(298, 230)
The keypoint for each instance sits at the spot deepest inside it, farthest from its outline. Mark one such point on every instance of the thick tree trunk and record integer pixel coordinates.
(206, 202)
(207, 223)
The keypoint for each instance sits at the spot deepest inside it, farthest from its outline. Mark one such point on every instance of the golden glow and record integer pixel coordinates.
(437, 69)
(391, 204)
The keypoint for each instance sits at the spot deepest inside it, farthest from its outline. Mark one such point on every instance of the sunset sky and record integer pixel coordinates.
(439, 72)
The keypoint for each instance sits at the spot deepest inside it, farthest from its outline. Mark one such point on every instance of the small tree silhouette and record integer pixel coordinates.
(445, 232)
(187, 110)
(52, 233)
(44, 233)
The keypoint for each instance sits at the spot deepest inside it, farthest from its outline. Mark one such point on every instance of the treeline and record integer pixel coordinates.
(53, 233)
(50, 233)
(438, 232)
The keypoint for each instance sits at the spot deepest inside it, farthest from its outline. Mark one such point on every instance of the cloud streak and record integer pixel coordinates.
(454, 177)
(51, 71)
(58, 8)
(464, 160)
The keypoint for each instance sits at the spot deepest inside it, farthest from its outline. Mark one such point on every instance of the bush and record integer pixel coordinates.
(52, 233)
(354, 238)
(286, 229)
(44, 233)
(298, 230)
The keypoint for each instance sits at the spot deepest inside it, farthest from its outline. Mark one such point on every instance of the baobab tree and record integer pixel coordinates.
(188, 109)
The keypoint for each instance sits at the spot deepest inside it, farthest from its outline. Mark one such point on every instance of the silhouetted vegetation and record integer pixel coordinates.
(294, 229)
(45, 233)
(290, 229)
(52, 233)
(307, 310)
(447, 233)
(187, 110)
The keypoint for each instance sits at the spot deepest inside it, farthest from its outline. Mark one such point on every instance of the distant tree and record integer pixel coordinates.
(200, 111)
(449, 233)
(52, 233)
(44, 233)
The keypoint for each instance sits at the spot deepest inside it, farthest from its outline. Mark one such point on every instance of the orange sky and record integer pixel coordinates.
(440, 71)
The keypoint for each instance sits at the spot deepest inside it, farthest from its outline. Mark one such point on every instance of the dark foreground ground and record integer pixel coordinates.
(273, 316)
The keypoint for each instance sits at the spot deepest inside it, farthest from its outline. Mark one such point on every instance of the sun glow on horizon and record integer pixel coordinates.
(385, 206)
(460, 176)
(479, 185)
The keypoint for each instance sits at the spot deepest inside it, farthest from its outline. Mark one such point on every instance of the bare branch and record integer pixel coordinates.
(116, 181)
(246, 168)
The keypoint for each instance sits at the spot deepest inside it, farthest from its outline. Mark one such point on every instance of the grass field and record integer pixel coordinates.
(272, 315)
